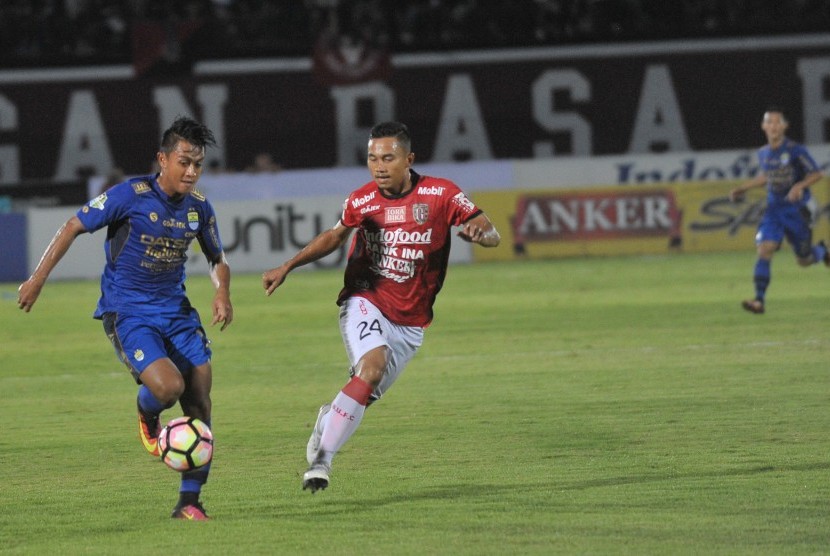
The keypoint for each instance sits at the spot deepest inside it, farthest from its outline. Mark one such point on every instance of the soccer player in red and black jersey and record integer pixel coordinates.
(396, 267)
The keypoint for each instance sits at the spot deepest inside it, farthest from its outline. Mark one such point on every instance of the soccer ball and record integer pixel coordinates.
(186, 443)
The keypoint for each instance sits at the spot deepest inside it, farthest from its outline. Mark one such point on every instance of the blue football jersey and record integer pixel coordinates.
(148, 236)
(784, 166)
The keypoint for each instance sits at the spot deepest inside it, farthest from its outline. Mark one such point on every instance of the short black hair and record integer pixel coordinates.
(777, 110)
(392, 129)
(189, 130)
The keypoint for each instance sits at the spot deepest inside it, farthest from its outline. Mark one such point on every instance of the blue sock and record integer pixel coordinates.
(192, 481)
(762, 278)
(148, 401)
(819, 252)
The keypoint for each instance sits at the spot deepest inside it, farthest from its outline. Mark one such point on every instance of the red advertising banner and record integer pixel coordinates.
(522, 104)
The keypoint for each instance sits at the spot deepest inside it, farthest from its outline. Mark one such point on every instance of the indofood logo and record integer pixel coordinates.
(399, 236)
(743, 166)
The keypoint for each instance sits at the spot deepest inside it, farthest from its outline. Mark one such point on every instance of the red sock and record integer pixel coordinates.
(359, 390)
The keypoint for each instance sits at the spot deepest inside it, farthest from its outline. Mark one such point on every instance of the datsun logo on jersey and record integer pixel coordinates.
(596, 215)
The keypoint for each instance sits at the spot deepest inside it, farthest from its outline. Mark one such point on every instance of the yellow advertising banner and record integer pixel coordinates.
(676, 217)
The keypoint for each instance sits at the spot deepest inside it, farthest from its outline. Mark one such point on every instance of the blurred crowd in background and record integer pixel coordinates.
(84, 32)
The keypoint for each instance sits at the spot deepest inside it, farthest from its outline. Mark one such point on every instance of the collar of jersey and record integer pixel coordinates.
(164, 196)
(415, 179)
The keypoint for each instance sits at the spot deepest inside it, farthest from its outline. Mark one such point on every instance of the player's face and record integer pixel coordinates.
(389, 163)
(180, 169)
(775, 126)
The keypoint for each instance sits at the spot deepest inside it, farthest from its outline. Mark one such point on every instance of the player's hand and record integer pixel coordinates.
(737, 195)
(474, 232)
(795, 194)
(272, 279)
(471, 232)
(27, 293)
(222, 310)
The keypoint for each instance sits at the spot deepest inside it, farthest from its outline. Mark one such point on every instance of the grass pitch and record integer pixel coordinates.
(585, 406)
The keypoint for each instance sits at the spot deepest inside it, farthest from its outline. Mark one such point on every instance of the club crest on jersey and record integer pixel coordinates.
(138, 355)
(99, 201)
(420, 212)
(395, 215)
(154, 217)
(785, 158)
(193, 220)
(141, 187)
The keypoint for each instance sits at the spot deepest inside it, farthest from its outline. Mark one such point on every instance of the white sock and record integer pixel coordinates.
(343, 418)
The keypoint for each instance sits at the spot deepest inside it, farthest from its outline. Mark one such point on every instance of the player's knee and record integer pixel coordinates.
(372, 366)
(169, 391)
(765, 252)
(373, 376)
(371, 370)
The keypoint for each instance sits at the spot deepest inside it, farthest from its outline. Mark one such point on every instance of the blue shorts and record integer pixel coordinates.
(141, 339)
(788, 221)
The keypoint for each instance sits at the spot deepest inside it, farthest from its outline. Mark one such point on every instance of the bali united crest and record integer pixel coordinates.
(420, 212)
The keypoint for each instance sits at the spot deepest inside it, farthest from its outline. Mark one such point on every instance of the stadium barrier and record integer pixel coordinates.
(612, 205)
(257, 235)
(661, 218)
(13, 246)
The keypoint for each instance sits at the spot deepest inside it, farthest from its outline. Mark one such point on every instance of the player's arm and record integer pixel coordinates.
(325, 243)
(220, 275)
(29, 290)
(796, 192)
(737, 194)
(480, 230)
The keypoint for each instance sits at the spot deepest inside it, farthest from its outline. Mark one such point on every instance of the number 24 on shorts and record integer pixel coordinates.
(366, 328)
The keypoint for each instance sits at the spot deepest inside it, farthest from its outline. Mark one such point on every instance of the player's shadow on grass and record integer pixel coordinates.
(464, 492)
(714, 473)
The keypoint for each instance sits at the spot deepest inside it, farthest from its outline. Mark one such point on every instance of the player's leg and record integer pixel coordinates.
(821, 253)
(767, 242)
(341, 421)
(139, 346)
(799, 234)
(161, 386)
(361, 326)
(195, 402)
(379, 351)
(351, 401)
(191, 353)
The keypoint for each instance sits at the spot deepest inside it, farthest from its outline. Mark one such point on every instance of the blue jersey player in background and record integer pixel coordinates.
(150, 223)
(788, 171)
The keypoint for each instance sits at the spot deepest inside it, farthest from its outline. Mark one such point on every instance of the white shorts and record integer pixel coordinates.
(363, 328)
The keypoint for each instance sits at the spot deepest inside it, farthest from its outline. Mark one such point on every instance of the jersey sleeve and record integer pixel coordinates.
(208, 237)
(350, 218)
(461, 208)
(805, 160)
(110, 206)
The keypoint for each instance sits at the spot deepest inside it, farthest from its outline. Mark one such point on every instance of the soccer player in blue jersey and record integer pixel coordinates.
(157, 334)
(787, 170)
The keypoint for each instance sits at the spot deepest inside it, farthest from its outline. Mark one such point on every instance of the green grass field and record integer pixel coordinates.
(585, 406)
